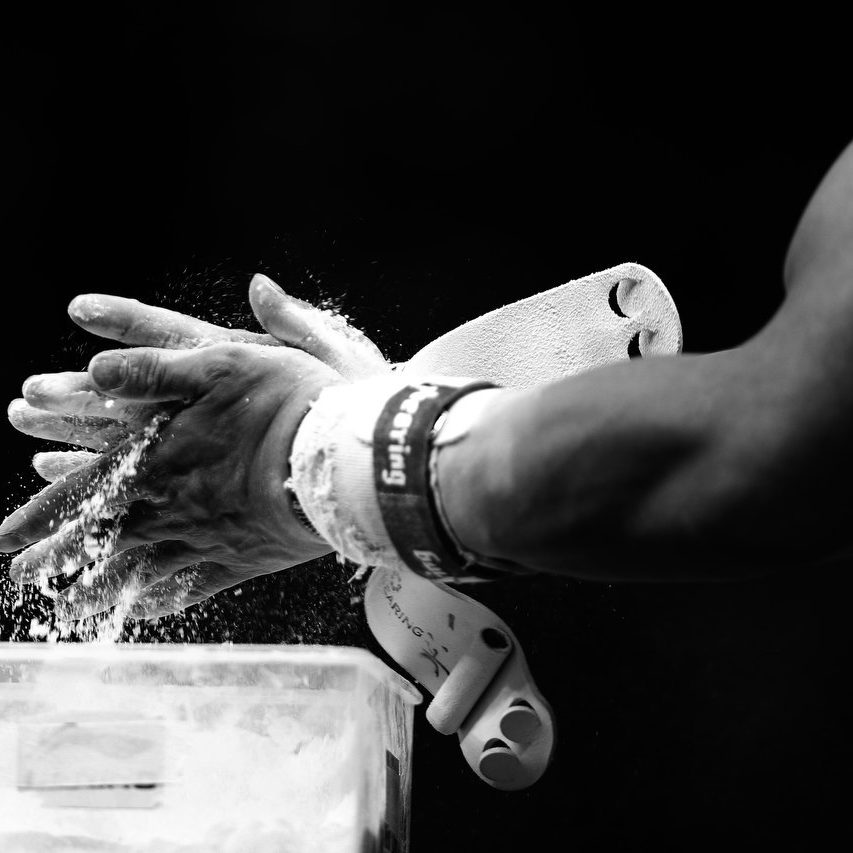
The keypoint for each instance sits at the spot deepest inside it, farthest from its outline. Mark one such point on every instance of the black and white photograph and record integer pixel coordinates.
(428, 429)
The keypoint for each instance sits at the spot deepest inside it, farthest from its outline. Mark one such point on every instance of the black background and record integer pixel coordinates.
(419, 170)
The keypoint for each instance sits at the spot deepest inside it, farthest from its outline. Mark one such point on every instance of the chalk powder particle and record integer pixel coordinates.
(277, 786)
(96, 516)
(304, 801)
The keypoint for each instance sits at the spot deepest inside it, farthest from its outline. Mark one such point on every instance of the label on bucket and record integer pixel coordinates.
(92, 763)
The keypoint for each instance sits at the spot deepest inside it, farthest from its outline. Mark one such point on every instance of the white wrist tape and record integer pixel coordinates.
(331, 469)
(363, 471)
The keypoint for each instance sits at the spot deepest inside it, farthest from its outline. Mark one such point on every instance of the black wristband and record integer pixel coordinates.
(401, 450)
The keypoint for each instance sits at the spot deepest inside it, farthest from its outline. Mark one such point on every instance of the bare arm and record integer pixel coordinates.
(710, 466)
(697, 467)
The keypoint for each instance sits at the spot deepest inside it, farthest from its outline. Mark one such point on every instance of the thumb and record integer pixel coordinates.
(326, 336)
(150, 373)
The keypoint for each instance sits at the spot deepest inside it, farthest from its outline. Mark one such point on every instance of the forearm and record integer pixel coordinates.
(696, 467)
(677, 468)
(819, 262)
(708, 466)
(703, 466)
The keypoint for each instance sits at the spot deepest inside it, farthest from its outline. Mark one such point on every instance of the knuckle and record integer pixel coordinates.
(70, 427)
(145, 371)
(224, 361)
(174, 339)
(153, 564)
(149, 572)
(216, 371)
(124, 327)
(180, 527)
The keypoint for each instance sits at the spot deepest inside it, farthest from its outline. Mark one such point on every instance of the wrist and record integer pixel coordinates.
(291, 522)
(331, 469)
(362, 472)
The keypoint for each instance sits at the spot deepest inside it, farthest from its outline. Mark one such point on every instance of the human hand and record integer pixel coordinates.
(67, 407)
(577, 326)
(590, 332)
(206, 507)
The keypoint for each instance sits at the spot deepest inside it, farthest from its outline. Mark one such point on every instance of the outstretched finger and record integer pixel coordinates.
(51, 465)
(100, 486)
(137, 324)
(121, 579)
(323, 334)
(87, 540)
(183, 589)
(147, 373)
(94, 433)
(74, 393)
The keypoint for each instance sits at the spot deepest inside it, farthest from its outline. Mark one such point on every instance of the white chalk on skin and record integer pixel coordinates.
(53, 464)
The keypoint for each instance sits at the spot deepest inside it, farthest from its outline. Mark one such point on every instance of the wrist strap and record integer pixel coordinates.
(402, 444)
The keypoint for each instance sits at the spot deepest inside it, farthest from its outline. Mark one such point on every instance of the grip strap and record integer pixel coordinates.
(402, 442)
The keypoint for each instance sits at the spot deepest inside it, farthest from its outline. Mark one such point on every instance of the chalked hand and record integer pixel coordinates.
(204, 506)
(67, 407)
(597, 334)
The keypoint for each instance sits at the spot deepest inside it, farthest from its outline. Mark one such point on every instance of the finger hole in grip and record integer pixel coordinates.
(618, 296)
(643, 298)
(498, 763)
(613, 301)
(634, 347)
(520, 722)
(495, 639)
(472, 674)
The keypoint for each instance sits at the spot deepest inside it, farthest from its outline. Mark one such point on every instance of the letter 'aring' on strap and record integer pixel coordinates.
(360, 471)
(402, 445)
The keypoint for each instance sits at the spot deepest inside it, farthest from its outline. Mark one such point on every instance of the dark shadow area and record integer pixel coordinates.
(416, 171)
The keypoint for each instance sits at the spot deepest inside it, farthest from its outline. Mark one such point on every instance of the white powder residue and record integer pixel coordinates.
(270, 781)
(95, 519)
(246, 780)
